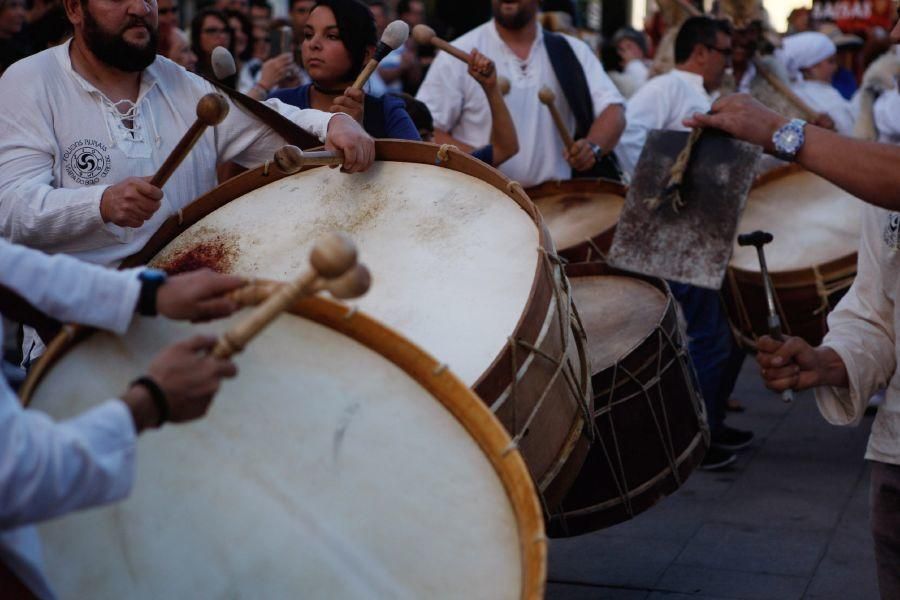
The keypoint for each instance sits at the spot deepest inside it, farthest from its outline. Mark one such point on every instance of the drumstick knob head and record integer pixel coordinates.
(395, 34)
(504, 84)
(333, 255)
(546, 95)
(223, 65)
(289, 159)
(423, 34)
(757, 239)
(212, 109)
(352, 284)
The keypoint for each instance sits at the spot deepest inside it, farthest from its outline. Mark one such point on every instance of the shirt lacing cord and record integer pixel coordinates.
(128, 124)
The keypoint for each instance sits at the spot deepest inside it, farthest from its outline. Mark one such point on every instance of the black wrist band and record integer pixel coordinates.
(158, 396)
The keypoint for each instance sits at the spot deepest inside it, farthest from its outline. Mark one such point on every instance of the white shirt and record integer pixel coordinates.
(863, 331)
(59, 156)
(663, 103)
(886, 113)
(48, 469)
(823, 97)
(459, 105)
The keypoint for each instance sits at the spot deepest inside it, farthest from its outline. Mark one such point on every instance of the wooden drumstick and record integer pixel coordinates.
(290, 159)
(211, 110)
(547, 96)
(425, 35)
(333, 267)
(784, 89)
(394, 36)
(352, 284)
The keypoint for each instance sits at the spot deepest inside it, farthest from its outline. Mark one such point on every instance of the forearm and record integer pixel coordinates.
(831, 370)
(504, 139)
(442, 137)
(608, 127)
(868, 170)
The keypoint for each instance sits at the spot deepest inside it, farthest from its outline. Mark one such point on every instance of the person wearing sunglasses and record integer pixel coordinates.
(702, 55)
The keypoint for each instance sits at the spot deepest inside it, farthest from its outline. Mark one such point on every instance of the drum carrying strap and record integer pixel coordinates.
(573, 82)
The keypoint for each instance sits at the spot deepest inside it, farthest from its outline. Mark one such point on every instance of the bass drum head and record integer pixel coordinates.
(454, 258)
(324, 470)
(813, 222)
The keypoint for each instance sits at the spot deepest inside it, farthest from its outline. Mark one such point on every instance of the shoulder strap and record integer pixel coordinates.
(572, 80)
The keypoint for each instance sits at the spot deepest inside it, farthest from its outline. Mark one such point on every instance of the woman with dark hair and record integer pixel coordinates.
(338, 40)
(242, 48)
(208, 30)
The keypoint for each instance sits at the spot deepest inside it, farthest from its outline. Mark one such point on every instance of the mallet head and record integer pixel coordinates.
(395, 34)
(333, 255)
(423, 34)
(352, 284)
(223, 64)
(547, 96)
(212, 109)
(756, 238)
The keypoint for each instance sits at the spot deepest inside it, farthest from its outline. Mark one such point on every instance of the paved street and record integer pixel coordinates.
(790, 521)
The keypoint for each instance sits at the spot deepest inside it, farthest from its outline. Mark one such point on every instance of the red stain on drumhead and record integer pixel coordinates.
(217, 252)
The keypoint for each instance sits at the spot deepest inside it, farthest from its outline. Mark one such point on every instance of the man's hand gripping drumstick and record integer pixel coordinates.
(334, 269)
(504, 140)
(134, 200)
(578, 154)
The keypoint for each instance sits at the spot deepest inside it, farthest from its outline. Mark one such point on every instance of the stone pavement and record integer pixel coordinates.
(789, 521)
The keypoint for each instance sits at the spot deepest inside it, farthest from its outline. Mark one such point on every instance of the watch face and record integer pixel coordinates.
(153, 275)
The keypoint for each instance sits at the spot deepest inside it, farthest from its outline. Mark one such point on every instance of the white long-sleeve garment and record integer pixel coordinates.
(862, 330)
(823, 97)
(460, 107)
(46, 468)
(886, 113)
(663, 103)
(62, 143)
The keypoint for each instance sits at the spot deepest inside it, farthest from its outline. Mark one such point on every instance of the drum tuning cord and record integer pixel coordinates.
(443, 153)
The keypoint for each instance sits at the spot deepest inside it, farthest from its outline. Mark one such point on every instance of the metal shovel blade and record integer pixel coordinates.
(693, 244)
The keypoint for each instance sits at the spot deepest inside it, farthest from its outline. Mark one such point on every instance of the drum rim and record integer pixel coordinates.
(585, 185)
(497, 376)
(457, 398)
(840, 267)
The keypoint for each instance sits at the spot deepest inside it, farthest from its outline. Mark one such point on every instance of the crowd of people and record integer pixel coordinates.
(103, 110)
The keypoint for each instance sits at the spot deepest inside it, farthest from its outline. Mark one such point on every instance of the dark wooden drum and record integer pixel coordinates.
(812, 260)
(649, 420)
(581, 215)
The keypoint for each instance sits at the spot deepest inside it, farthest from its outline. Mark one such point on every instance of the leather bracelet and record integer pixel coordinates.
(157, 395)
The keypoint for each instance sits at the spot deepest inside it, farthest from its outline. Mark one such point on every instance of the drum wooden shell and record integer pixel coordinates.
(537, 383)
(279, 492)
(581, 215)
(812, 260)
(649, 419)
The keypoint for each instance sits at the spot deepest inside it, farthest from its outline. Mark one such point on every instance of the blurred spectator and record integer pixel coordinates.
(168, 21)
(13, 46)
(300, 10)
(848, 47)
(813, 57)
(48, 24)
(631, 46)
(208, 30)
(262, 46)
(799, 20)
(260, 13)
(279, 71)
(180, 50)
(241, 33)
(241, 6)
(411, 11)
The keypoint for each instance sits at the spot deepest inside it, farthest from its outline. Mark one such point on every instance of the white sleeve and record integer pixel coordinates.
(70, 290)
(48, 469)
(644, 113)
(443, 91)
(32, 211)
(637, 72)
(603, 91)
(861, 330)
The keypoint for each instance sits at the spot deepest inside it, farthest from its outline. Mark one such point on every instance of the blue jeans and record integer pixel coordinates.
(715, 355)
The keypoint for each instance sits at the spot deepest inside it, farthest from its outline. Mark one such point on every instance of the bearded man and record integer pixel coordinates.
(84, 125)
(530, 58)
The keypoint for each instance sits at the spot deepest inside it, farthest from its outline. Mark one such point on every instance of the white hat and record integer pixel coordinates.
(807, 49)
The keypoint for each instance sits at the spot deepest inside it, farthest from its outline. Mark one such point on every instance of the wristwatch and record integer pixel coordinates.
(788, 140)
(597, 151)
(151, 280)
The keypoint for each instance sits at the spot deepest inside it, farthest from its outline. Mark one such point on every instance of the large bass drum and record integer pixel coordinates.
(649, 419)
(462, 264)
(342, 462)
(812, 260)
(581, 214)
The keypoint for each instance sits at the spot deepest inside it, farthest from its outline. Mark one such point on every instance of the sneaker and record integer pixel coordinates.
(729, 438)
(717, 459)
